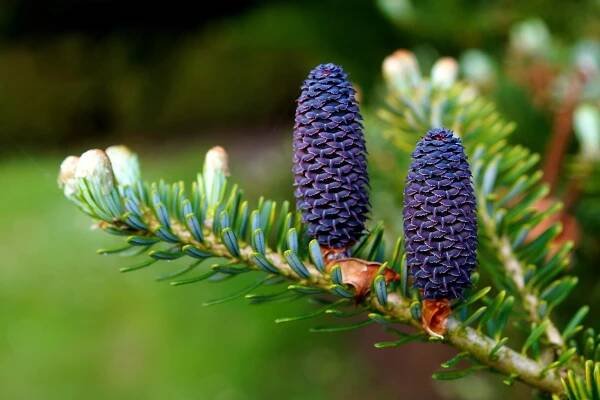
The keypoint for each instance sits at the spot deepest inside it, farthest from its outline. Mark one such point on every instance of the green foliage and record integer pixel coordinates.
(516, 249)
(74, 327)
(519, 249)
(211, 222)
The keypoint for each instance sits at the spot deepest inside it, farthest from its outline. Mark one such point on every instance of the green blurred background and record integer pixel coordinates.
(171, 80)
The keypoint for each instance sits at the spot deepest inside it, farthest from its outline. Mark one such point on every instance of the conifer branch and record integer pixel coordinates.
(506, 183)
(211, 223)
(397, 310)
(389, 307)
(516, 272)
(481, 347)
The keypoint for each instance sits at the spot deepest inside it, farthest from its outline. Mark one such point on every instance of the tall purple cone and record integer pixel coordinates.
(440, 221)
(330, 166)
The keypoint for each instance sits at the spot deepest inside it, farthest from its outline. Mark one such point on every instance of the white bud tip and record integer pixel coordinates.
(67, 170)
(586, 122)
(401, 69)
(530, 37)
(444, 72)
(217, 160)
(125, 164)
(118, 151)
(477, 67)
(586, 55)
(95, 166)
(66, 175)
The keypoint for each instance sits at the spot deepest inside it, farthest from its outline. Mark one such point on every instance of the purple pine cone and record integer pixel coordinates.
(330, 166)
(440, 221)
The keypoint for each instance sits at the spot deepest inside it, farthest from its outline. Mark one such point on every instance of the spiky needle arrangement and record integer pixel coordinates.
(223, 247)
(210, 222)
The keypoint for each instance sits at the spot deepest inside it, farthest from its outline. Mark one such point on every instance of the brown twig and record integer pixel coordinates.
(562, 131)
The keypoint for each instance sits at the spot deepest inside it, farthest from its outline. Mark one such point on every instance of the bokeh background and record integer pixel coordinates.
(171, 80)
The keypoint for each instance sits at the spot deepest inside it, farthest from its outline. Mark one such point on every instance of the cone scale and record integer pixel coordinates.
(440, 224)
(330, 166)
(330, 173)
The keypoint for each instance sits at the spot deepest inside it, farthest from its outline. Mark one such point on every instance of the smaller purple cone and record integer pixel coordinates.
(330, 166)
(440, 221)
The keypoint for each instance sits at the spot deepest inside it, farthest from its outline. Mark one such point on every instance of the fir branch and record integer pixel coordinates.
(515, 271)
(210, 220)
(159, 218)
(480, 347)
(398, 308)
(506, 183)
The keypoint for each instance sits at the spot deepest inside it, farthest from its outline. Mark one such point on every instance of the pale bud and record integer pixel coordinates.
(216, 168)
(530, 37)
(398, 10)
(586, 121)
(444, 72)
(66, 176)
(401, 70)
(217, 160)
(125, 164)
(586, 56)
(94, 165)
(477, 67)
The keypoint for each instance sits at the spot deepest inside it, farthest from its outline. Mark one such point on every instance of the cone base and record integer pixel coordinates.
(356, 272)
(434, 316)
